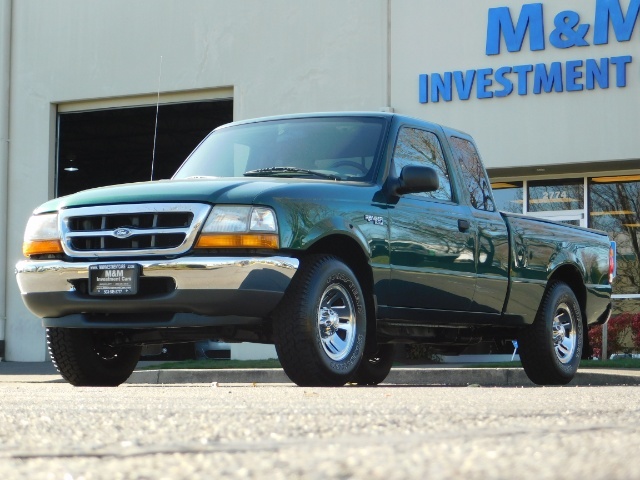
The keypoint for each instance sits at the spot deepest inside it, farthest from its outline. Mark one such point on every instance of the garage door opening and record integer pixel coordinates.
(111, 146)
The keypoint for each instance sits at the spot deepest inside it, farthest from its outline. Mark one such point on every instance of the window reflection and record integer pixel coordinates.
(508, 196)
(615, 207)
(473, 174)
(556, 195)
(419, 147)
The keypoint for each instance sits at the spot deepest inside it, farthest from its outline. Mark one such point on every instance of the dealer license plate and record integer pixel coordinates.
(114, 279)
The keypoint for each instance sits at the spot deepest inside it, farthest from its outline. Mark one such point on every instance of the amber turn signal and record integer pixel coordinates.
(41, 247)
(250, 240)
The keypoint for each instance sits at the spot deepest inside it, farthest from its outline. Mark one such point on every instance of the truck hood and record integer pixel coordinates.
(206, 190)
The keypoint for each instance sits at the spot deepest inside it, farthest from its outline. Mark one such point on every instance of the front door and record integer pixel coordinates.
(431, 236)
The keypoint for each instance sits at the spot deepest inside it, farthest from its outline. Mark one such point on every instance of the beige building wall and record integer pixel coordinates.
(276, 56)
(286, 56)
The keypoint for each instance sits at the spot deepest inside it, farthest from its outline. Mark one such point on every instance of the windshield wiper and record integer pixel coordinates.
(274, 171)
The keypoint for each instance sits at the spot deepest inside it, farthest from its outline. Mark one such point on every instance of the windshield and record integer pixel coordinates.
(333, 148)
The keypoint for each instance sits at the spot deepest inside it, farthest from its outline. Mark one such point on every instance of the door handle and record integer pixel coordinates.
(463, 225)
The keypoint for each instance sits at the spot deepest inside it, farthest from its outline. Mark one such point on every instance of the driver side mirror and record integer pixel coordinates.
(416, 179)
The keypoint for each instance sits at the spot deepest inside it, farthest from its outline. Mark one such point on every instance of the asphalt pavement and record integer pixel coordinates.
(282, 432)
(45, 372)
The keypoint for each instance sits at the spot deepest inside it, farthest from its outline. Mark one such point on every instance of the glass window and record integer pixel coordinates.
(556, 195)
(508, 196)
(419, 147)
(615, 208)
(473, 174)
(342, 147)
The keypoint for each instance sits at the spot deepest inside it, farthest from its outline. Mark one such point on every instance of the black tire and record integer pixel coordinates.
(84, 358)
(550, 349)
(374, 368)
(320, 324)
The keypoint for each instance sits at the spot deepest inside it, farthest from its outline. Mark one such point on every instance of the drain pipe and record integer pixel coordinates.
(5, 76)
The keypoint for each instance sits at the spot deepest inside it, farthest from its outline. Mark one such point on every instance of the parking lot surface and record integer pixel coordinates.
(51, 430)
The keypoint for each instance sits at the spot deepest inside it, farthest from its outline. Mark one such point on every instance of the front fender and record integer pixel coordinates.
(339, 226)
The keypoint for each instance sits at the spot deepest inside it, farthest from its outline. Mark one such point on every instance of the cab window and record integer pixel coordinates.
(419, 147)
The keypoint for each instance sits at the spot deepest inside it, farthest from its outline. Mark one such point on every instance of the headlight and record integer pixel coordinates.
(42, 235)
(239, 226)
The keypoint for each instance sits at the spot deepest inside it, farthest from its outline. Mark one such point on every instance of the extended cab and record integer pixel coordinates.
(332, 236)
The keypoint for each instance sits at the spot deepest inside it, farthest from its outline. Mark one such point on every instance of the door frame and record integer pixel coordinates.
(562, 216)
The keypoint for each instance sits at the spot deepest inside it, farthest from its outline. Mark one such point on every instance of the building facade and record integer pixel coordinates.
(93, 93)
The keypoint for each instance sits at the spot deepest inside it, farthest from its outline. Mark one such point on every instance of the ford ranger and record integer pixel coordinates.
(332, 236)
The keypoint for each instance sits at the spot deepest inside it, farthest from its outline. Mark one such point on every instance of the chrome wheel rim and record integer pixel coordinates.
(564, 333)
(336, 322)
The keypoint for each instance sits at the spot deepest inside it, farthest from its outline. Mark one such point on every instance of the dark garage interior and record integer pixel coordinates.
(111, 146)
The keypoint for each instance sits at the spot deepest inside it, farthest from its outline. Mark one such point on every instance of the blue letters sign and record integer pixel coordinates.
(569, 31)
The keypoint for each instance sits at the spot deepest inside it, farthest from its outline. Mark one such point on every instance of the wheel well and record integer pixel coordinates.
(571, 276)
(352, 254)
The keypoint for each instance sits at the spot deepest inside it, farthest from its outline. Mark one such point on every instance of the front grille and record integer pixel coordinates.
(102, 242)
(137, 229)
(140, 220)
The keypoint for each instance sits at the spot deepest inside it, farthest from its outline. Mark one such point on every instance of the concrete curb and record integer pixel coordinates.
(486, 377)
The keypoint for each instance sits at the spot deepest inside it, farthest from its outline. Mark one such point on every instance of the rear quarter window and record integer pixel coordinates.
(474, 175)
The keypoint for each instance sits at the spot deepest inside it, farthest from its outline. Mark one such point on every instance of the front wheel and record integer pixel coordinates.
(550, 349)
(320, 324)
(86, 358)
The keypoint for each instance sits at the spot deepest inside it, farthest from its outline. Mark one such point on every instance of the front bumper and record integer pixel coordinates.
(187, 291)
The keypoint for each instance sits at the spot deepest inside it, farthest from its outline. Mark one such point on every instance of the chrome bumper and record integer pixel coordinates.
(210, 286)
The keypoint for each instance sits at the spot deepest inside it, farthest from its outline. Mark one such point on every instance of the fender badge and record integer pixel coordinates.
(375, 219)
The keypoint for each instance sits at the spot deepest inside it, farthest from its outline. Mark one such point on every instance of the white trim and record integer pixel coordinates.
(147, 99)
(552, 214)
(585, 207)
(562, 216)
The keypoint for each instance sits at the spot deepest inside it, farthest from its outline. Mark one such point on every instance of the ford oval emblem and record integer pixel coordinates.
(122, 232)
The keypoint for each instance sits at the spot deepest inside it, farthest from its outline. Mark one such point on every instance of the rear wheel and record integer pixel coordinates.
(374, 368)
(320, 324)
(85, 357)
(550, 349)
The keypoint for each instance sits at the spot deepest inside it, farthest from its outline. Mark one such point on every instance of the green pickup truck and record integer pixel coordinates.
(332, 236)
